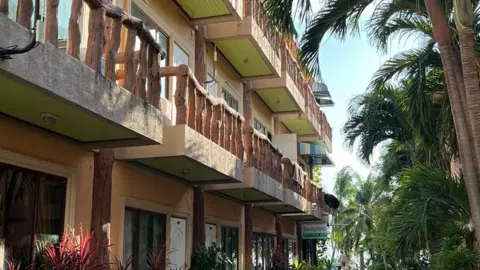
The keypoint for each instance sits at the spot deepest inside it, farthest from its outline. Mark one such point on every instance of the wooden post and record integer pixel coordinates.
(142, 73)
(247, 103)
(93, 55)
(222, 126)
(233, 147)
(130, 61)
(101, 202)
(154, 87)
(112, 48)
(239, 133)
(250, 146)
(299, 242)
(228, 129)
(207, 128)
(216, 123)
(278, 229)
(74, 36)
(200, 106)
(181, 100)
(51, 26)
(4, 7)
(24, 13)
(200, 51)
(192, 105)
(198, 217)
(248, 237)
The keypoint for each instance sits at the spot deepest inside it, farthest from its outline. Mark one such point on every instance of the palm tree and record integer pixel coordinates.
(342, 16)
(354, 222)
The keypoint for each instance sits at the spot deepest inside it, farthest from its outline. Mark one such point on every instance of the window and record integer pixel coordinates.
(180, 57)
(161, 38)
(289, 251)
(231, 101)
(262, 250)
(211, 85)
(32, 208)
(144, 232)
(261, 128)
(230, 245)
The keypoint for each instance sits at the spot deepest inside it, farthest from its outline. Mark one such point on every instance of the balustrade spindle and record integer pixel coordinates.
(142, 72)
(250, 146)
(130, 71)
(74, 35)
(228, 129)
(51, 25)
(192, 106)
(200, 105)
(4, 7)
(240, 147)
(256, 149)
(216, 123)
(96, 23)
(24, 13)
(207, 127)
(181, 100)
(233, 148)
(222, 124)
(154, 87)
(112, 48)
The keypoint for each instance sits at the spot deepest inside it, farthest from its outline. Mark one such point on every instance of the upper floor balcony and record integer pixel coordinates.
(203, 144)
(284, 94)
(212, 11)
(247, 44)
(313, 153)
(262, 172)
(78, 98)
(317, 208)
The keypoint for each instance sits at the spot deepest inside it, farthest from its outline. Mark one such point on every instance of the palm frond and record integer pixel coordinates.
(280, 14)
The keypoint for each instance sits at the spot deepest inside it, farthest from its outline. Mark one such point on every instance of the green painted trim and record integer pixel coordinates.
(244, 57)
(23, 102)
(198, 9)
(278, 99)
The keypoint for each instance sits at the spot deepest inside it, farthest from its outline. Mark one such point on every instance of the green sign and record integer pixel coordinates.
(314, 231)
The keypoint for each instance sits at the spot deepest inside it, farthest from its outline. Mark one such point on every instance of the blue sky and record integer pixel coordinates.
(347, 67)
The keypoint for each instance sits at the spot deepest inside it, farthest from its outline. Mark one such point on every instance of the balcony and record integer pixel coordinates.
(315, 154)
(262, 176)
(284, 94)
(204, 144)
(212, 11)
(294, 200)
(313, 194)
(54, 90)
(322, 94)
(247, 45)
(311, 126)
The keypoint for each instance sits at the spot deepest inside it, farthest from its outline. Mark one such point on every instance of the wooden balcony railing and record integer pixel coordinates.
(253, 8)
(211, 117)
(104, 38)
(293, 176)
(326, 128)
(290, 64)
(262, 154)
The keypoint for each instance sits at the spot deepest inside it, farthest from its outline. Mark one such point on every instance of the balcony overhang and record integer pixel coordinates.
(256, 187)
(188, 155)
(280, 94)
(49, 89)
(246, 47)
(292, 203)
(315, 154)
(212, 11)
(303, 124)
(313, 214)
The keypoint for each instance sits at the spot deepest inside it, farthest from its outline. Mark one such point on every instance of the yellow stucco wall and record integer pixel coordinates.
(221, 208)
(289, 226)
(262, 112)
(32, 142)
(263, 221)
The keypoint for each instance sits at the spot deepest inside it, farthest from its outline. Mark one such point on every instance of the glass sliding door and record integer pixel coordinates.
(230, 245)
(32, 209)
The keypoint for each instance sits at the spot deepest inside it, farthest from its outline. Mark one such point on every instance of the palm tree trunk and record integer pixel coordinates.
(362, 261)
(450, 62)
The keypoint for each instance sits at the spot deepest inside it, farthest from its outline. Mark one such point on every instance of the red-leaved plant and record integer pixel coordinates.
(12, 266)
(71, 254)
(278, 260)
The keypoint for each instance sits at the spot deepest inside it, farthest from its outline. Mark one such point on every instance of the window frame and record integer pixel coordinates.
(135, 243)
(38, 174)
(226, 95)
(237, 246)
(267, 255)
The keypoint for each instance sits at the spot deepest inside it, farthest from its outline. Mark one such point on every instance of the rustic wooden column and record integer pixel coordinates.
(181, 100)
(129, 82)
(24, 13)
(248, 264)
(278, 229)
(192, 105)
(299, 242)
(51, 25)
(154, 87)
(4, 7)
(101, 203)
(200, 106)
(247, 103)
(200, 51)
(74, 36)
(142, 73)
(198, 217)
(207, 128)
